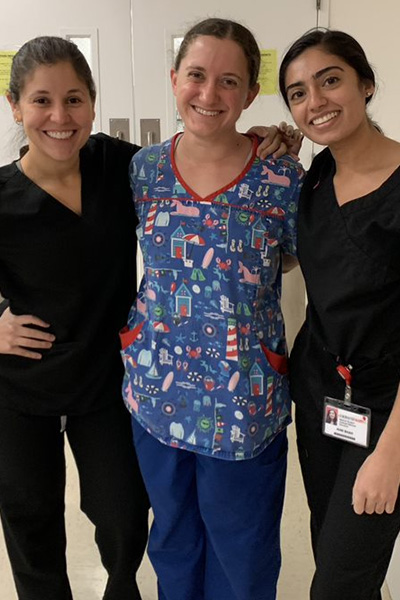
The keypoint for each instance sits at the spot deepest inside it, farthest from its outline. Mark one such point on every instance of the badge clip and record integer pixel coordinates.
(345, 373)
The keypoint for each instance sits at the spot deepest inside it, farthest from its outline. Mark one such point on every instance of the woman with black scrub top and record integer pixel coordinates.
(347, 354)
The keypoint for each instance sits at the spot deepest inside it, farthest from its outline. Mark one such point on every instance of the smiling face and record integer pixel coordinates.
(56, 111)
(326, 97)
(212, 86)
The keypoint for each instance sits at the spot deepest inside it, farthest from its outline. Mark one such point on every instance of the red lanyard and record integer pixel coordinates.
(345, 373)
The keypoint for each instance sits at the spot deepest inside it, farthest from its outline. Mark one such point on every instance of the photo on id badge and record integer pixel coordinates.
(349, 423)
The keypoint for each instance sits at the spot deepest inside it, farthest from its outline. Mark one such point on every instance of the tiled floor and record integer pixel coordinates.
(87, 575)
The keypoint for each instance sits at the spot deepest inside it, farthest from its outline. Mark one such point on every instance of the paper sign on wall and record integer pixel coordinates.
(268, 78)
(5, 70)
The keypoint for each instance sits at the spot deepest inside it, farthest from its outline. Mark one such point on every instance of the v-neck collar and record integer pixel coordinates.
(19, 171)
(367, 199)
(226, 187)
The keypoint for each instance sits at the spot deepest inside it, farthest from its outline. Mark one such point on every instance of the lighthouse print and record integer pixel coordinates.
(151, 216)
(209, 301)
(231, 342)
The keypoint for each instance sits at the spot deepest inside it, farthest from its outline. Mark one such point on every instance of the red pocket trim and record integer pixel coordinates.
(278, 362)
(128, 336)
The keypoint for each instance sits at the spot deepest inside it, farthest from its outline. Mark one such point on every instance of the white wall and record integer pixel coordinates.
(376, 26)
(25, 19)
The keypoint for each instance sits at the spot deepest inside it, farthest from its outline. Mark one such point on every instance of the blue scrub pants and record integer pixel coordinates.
(216, 530)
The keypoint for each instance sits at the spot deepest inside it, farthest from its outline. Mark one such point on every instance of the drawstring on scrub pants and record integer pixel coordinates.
(63, 423)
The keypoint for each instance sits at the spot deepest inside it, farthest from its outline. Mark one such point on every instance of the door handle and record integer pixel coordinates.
(149, 132)
(119, 128)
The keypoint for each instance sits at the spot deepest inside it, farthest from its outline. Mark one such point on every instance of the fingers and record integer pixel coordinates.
(370, 506)
(17, 336)
(20, 345)
(290, 131)
(263, 131)
(275, 147)
(30, 342)
(379, 508)
(35, 334)
(358, 504)
(292, 138)
(271, 141)
(280, 151)
(286, 129)
(26, 353)
(277, 141)
(389, 507)
(363, 504)
(383, 506)
(298, 135)
(27, 319)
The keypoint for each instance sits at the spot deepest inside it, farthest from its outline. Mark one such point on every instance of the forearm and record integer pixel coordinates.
(377, 483)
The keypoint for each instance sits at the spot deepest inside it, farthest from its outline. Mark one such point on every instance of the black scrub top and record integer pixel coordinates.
(350, 258)
(77, 273)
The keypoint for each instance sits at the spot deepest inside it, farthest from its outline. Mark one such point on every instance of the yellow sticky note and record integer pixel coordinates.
(5, 70)
(268, 78)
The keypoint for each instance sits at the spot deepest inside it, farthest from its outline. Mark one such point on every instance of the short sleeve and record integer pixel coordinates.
(289, 243)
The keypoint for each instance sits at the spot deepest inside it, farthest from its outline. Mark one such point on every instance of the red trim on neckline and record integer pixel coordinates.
(208, 198)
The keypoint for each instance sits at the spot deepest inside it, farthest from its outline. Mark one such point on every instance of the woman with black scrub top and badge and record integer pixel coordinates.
(347, 355)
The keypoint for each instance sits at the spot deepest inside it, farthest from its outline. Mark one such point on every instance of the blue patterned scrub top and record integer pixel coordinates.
(204, 349)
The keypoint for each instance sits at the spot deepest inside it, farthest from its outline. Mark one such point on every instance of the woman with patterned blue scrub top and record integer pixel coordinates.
(204, 349)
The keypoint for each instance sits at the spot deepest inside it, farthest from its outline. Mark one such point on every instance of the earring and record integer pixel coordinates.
(368, 94)
(17, 121)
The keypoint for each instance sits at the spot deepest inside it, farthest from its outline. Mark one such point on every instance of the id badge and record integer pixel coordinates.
(349, 423)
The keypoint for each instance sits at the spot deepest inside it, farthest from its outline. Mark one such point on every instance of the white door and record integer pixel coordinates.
(275, 25)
